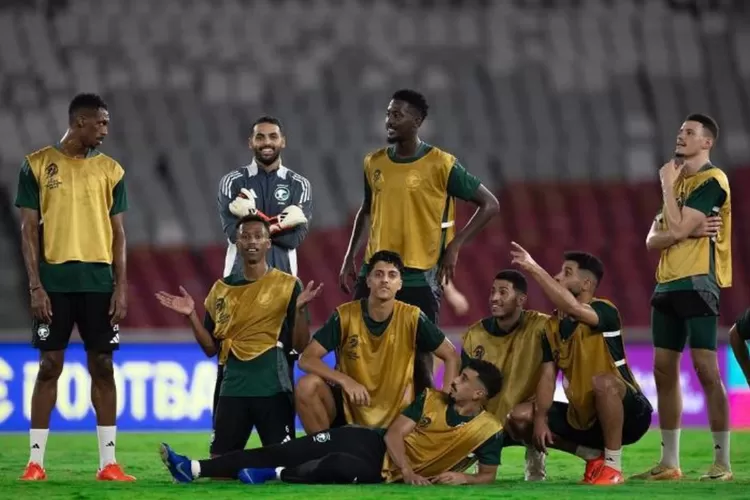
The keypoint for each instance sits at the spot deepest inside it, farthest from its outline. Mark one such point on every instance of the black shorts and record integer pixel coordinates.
(428, 301)
(272, 416)
(338, 400)
(87, 310)
(637, 411)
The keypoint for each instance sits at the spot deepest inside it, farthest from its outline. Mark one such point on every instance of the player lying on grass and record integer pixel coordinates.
(739, 334)
(583, 339)
(510, 338)
(436, 432)
(252, 319)
(376, 341)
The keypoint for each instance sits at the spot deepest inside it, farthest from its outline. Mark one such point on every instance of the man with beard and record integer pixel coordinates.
(583, 339)
(409, 207)
(257, 390)
(268, 188)
(693, 267)
(511, 340)
(420, 447)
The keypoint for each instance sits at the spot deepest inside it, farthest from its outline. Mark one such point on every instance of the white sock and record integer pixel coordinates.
(107, 437)
(195, 469)
(278, 472)
(37, 445)
(587, 453)
(721, 448)
(613, 458)
(670, 448)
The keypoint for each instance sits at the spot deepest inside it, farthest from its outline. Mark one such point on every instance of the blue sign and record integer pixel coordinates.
(159, 387)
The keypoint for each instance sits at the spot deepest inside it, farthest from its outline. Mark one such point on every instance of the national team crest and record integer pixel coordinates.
(424, 422)
(281, 193)
(479, 352)
(220, 305)
(322, 437)
(264, 298)
(53, 181)
(351, 347)
(413, 180)
(42, 332)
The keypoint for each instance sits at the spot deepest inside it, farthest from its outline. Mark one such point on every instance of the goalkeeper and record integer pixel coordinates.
(266, 188)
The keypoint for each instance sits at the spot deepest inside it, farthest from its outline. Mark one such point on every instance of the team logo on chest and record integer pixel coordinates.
(52, 179)
(281, 193)
(413, 180)
(264, 298)
(479, 352)
(222, 316)
(351, 347)
(424, 422)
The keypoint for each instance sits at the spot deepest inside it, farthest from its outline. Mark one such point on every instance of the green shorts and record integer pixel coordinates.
(680, 315)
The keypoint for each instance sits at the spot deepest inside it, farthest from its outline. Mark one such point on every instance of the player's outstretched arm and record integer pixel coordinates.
(185, 305)
(739, 348)
(563, 300)
(394, 442)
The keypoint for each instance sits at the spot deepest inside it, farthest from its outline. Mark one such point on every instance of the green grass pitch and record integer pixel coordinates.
(72, 459)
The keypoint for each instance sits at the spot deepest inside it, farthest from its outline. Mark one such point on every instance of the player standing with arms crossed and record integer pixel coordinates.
(256, 316)
(693, 266)
(74, 197)
(409, 208)
(270, 189)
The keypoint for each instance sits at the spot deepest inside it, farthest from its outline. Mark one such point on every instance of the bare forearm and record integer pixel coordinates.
(316, 366)
(394, 442)
(671, 212)
(301, 333)
(557, 294)
(360, 223)
(478, 221)
(30, 250)
(660, 240)
(119, 250)
(204, 339)
(452, 368)
(545, 393)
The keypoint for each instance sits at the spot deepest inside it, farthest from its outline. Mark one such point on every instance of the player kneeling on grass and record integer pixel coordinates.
(251, 321)
(606, 407)
(432, 435)
(376, 341)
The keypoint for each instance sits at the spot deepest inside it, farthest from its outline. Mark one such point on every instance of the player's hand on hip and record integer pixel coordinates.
(449, 478)
(41, 307)
(183, 304)
(348, 271)
(416, 480)
(308, 294)
(357, 393)
(243, 205)
(522, 258)
(709, 228)
(543, 436)
(118, 304)
(448, 262)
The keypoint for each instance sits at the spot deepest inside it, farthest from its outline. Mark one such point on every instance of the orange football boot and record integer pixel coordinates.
(113, 472)
(592, 467)
(607, 476)
(33, 472)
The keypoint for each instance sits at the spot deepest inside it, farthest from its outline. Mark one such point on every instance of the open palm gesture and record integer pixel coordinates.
(182, 304)
(308, 294)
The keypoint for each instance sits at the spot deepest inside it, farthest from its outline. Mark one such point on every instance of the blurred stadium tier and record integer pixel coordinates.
(564, 109)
